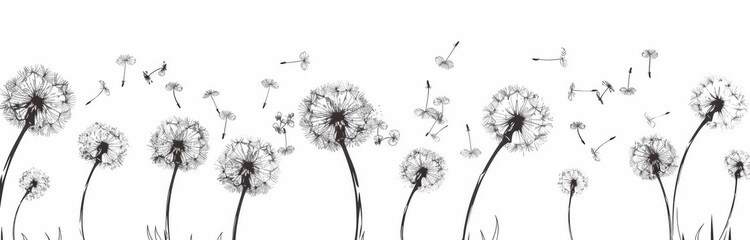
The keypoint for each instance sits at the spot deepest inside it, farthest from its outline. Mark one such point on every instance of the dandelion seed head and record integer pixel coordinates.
(125, 59)
(173, 86)
(738, 163)
(103, 87)
(284, 151)
(519, 115)
(37, 90)
(443, 63)
(719, 99)
(35, 182)
(227, 115)
(248, 163)
(608, 85)
(439, 101)
(627, 90)
(595, 155)
(571, 91)
(653, 156)
(210, 93)
(572, 180)
(179, 142)
(104, 144)
(473, 153)
(577, 125)
(650, 53)
(304, 60)
(394, 136)
(424, 167)
(269, 83)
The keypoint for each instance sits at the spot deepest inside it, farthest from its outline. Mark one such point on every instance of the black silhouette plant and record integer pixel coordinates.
(435, 136)
(268, 84)
(650, 54)
(162, 71)
(578, 126)
(650, 120)
(280, 127)
(721, 105)
(178, 143)
(125, 60)
(608, 88)
(36, 100)
(337, 116)
(106, 147)
(248, 166)
(572, 182)
(393, 135)
(226, 116)
(427, 112)
(174, 87)
(653, 157)
(572, 91)
(304, 60)
(562, 59)
(471, 152)
(34, 182)
(595, 151)
(628, 90)
(211, 94)
(738, 164)
(445, 63)
(518, 119)
(424, 170)
(102, 89)
(439, 116)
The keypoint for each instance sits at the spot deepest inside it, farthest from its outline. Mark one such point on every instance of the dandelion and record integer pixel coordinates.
(36, 100)
(304, 60)
(440, 116)
(226, 116)
(518, 119)
(162, 71)
(424, 170)
(174, 87)
(738, 165)
(268, 84)
(282, 122)
(427, 112)
(337, 116)
(393, 135)
(572, 91)
(435, 136)
(572, 182)
(650, 120)
(562, 59)
(628, 90)
(103, 145)
(211, 94)
(578, 126)
(34, 182)
(650, 54)
(653, 157)
(608, 88)
(125, 60)
(445, 63)
(102, 89)
(249, 167)
(178, 143)
(720, 104)
(595, 151)
(471, 152)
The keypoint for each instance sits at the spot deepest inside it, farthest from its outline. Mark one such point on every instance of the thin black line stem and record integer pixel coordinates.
(17, 209)
(237, 215)
(83, 197)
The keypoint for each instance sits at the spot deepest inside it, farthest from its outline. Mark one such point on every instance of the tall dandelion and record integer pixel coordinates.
(572, 182)
(178, 143)
(653, 157)
(34, 183)
(738, 165)
(106, 147)
(424, 170)
(518, 119)
(36, 100)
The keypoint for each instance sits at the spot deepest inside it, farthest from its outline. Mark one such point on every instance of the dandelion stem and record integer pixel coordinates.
(649, 67)
(468, 132)
(440, 116)
(285, 62)
(546, 59)
(266, 100)
(449, 54)
(30, 118)
(706, 119)
(433, 126)
(225, 128)
(427, 101)
(285, 143)
(237, 215)
(215, 106)
(16, 216)
(175, 99)
(570, 202)
(505, 140)
(83, 198)
(124, 69)
(731, 209)
(340, 136)
(629, 72)
(97, 95)
(578, 130)
(666, 202)
(417, 185)
(177, 163)
(605, 142)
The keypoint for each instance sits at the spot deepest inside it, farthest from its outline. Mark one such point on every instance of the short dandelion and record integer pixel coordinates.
(446, 63)
(34, 182)
(628, 90)
(470, 152)
(650, 54)
(572, 182)
(578, 126)
(226, 116)
(738, 165)
(102, 89)
(125, 60)
(211, 94)
(268, 84)
(174, 88)
(424, 170)
(595, 151)
(304, 60)
(653, 157)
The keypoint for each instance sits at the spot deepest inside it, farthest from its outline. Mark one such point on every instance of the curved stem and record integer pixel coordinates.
(124, 69)
(83, 198)
(570, 202)
(215, 106)
(731, 209)
(504, 141)
(237, 215)
(355, 183)
(175, 99)
(403, 219)
(16, 216)
(666, 202)
(13, 152)
(579, 136)
(682, 162)
(167, 233)
(97, 95)
(266, 99)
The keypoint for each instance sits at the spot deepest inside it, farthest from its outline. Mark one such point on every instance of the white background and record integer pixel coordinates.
(387, 49)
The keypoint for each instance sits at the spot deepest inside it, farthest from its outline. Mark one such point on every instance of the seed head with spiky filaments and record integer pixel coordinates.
(425, 166)
(517, 111)
(577, 125)
(179, 141)
(572, 180)
(719, 98)
(738, 163)
(35, 182)
(653, 156)
(173, 86)
(37, 89)
(269, 83)
(125, 59)
(248, 163)
(103, 143)
(210, 93)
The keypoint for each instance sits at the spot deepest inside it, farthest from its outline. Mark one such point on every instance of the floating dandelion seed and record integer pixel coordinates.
(607, 88)
(36, 100)
(650, 54)
(226, 116)
(423, 169)
(445, 63)
(250, 167)
(427, 112)
(572, 91)
(162, 71)
(572, 182)
(738, 164)
(518, 119)
(282, 122)
(578, 126)
(174, 87)
(268, 84)
(628, 90)
(178, 143)
(337, 116)
(440, 116)
(595, 151)
(125, 60)
(470, 152)
(304, 60)
(650, 120)
(562, 59)
(34, 182)
(653, 157)
(211, 94)
(435, 136)
(393, 135)
(103, 145)
(102, 89)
